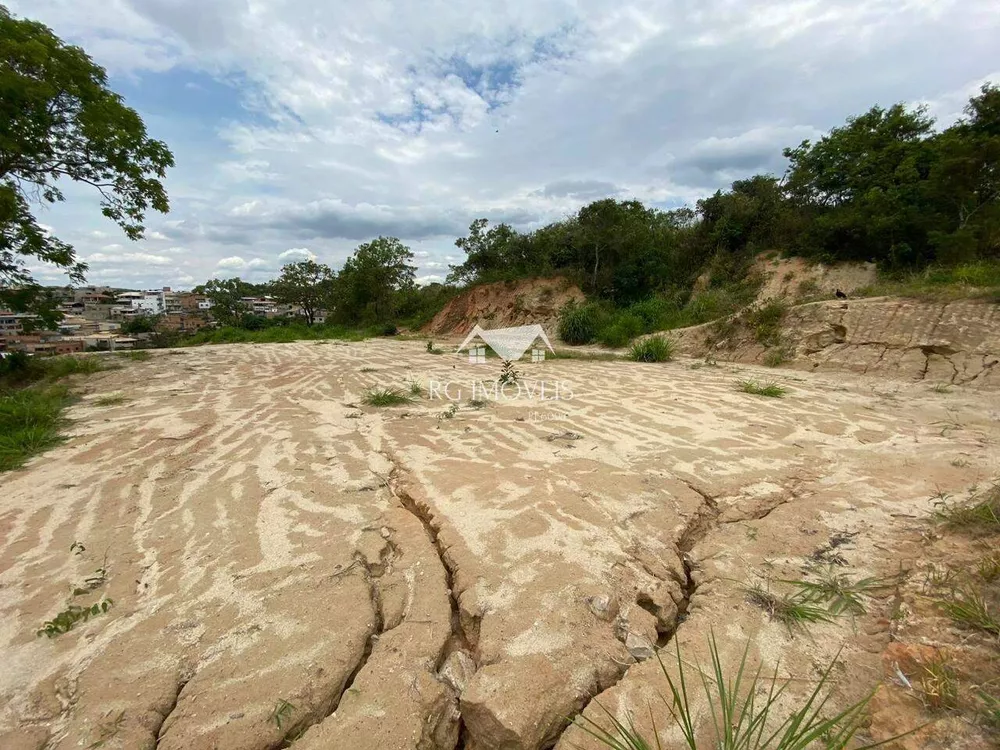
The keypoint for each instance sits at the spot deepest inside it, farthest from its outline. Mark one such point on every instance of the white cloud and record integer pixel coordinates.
(360, 119)
(296, 254)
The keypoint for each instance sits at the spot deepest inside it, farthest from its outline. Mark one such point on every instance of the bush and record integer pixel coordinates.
(621, 329)
(652, 349)
(580, 324)
(765, 321)
(655, 313)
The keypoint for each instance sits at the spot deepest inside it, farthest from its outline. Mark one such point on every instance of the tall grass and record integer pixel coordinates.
(976, 279)
(30, 419)
(745, 709)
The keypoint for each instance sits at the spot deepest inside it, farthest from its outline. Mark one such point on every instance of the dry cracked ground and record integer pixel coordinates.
(290, 566)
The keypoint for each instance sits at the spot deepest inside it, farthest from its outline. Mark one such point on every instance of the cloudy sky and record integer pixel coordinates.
(302, 128)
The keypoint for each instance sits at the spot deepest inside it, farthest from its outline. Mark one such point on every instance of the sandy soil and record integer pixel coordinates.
(288, 564)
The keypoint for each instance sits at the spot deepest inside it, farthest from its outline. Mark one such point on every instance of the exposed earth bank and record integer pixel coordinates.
(289, 565)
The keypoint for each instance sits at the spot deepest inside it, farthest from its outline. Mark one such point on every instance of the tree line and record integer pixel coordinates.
(884, 187)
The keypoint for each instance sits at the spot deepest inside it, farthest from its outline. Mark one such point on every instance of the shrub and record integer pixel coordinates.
(652, 349)
(622, 328)
(765, 321)
(754, 388)
(579, 324)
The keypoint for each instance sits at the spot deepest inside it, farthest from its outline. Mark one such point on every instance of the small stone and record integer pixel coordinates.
(603, 606)
(458, 669)
(639, 647)
(385, 532)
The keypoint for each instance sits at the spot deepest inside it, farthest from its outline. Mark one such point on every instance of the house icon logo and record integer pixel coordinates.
(509, 343)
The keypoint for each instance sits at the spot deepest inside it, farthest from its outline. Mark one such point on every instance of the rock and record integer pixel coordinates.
(639, 647)
(458, 669)
(603, 606)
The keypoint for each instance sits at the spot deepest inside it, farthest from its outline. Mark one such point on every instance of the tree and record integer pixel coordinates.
(372, 280)
(226, 296)
(487, 252)
(59, 120)
(140, 324)
(306, 284)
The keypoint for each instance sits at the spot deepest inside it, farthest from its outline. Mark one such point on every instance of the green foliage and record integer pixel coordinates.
(284, 334)
(838, 592)
(765, 321)
(73, 614)
(979, 278)
(749, 711)
(18, 369)
(652, 349)
(226, 296)
(970, 608)
(281, 712)
(139, 355)
(580, 324)
(374, 280)
(385, 397)
(60, 121)
(981, 515)
(140, 324)
(508, 374)
(30, 421)
(621, 329)
(756, 388)
(797, 609)
(307, 285)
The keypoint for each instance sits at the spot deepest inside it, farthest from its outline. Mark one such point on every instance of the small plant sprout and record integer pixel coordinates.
(839, 593)
(757, 388)
(430, 347)
(385, 397)
(938, 685)
(478, 403)
(281, 713)
(416, 390)
(450, 412)
(69, 617)
(508, 374)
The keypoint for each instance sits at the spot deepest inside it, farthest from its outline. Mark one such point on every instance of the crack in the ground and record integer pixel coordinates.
(170, 709)
(701, 525)
(460, 639)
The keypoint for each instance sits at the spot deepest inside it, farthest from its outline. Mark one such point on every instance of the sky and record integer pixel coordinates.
(302, 128)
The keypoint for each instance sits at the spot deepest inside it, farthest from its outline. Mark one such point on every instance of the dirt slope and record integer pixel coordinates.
(951, 342)
(505, 303)
(288, 564)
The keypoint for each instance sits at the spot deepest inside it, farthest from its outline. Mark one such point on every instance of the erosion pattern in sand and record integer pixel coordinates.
(286, 563)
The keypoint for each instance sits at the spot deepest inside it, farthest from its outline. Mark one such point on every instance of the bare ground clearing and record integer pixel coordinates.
(286, 563)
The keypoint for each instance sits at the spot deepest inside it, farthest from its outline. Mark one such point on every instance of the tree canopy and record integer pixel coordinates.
(307, 285)
(59, 120)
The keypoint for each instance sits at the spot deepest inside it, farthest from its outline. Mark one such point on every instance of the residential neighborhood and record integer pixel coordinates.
(101, 318)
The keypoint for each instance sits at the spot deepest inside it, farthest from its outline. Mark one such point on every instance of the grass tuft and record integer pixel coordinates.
(938, 685)
(652, 349)
(386, 397)
(797, 609)
(112, 399)
(970, 609)
(757, 388)
(979, 516)
(747, 709)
